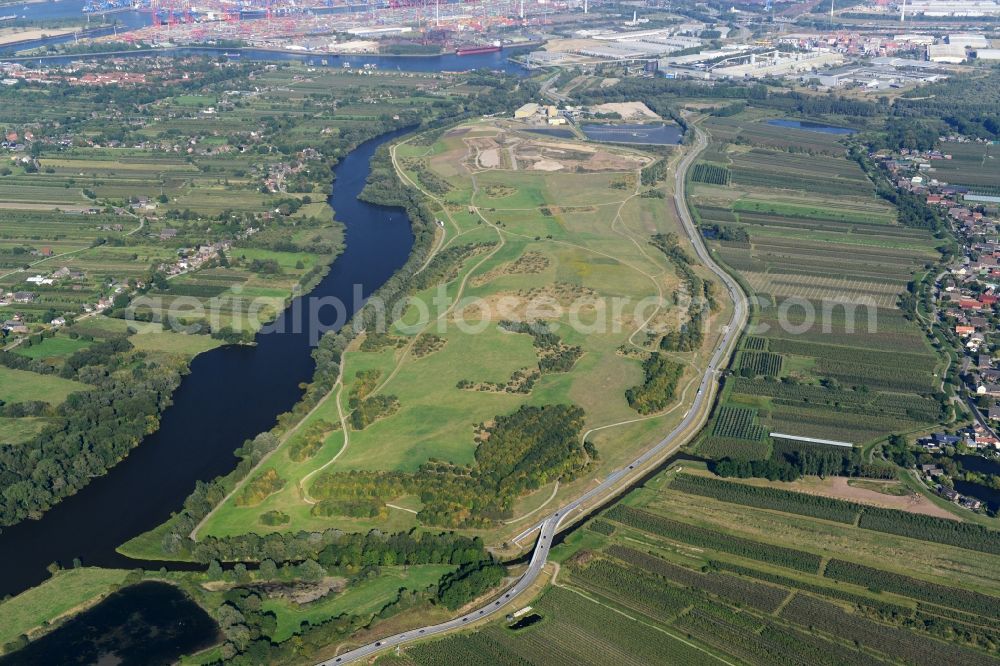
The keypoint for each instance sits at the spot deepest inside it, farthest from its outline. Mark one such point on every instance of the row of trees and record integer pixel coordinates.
(790, 463)
(689, 335)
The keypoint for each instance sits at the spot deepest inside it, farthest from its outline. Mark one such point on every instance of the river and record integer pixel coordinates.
(449, 62)
(231, 394)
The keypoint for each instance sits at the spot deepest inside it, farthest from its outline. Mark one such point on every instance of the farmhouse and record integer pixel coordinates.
(15, 326)
(949, 494)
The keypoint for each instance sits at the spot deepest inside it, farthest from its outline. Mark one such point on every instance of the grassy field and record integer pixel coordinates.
(23, 386)
(21, 429)
(52, 347)
(364, 598)
(536, 245)
(826, 263)
(66, 592)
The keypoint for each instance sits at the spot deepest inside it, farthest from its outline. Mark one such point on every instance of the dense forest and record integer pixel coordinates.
(660, 378)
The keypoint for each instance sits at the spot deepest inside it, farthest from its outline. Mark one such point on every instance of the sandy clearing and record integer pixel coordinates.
(913, 503)
(628, 110)
(12, 36)
(489, 159)
(547, 165)
(549, 303)
(837, 487)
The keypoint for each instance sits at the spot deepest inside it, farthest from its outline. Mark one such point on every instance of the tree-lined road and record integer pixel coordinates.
(620, 479)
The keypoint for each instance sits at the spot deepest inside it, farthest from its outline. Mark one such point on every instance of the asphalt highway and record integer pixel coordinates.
(693, 420)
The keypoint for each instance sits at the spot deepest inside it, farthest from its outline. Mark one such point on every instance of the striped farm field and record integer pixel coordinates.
(818, 287)
(828, 262)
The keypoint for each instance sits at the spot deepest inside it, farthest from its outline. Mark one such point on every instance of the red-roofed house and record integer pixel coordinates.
(965, 330)
(969, 304)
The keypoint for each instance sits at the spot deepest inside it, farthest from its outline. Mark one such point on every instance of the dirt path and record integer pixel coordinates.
(913, 503)
(535, 510)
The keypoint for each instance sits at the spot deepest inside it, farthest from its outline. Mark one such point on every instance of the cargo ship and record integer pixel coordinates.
(476, 50)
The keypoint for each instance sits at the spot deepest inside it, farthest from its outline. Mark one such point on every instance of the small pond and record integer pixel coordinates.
(143, 625)
(553, 132)
(810, 126)
(978, 464)
(651, 135)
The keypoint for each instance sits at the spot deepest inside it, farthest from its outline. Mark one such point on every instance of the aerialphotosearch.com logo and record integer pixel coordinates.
(581, 310)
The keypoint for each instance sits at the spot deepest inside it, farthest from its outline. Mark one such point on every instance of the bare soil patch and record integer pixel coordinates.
(628, 110)
(541, 303)
(529, 263)
(913, 503)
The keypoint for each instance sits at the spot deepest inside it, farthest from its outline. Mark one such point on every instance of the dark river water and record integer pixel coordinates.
(810, 126)
(149, 624)
(646, 134)
(441, 63)
(232, 394)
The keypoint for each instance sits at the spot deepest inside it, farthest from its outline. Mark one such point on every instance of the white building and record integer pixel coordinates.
(946, 53)
(911, 38)
(969, 40)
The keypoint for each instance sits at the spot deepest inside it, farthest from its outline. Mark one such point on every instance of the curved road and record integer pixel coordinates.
(693, 420)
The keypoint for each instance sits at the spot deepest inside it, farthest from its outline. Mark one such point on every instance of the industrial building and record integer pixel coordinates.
(883, 73)
(778, 63)
(526, 111)
(913, 38)
(969, 40)
(953, 54)
(952, 8)
(988, 54)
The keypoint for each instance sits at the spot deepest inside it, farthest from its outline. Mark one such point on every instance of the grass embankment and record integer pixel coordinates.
(66, 593)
